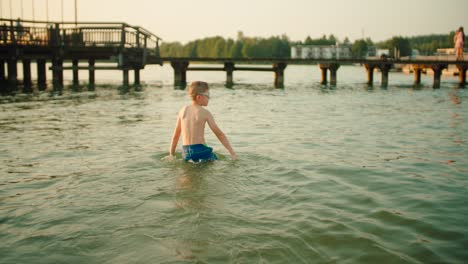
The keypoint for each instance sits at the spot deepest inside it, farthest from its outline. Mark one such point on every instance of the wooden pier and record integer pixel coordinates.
(384, 65)
(86, 46)
(93, 46)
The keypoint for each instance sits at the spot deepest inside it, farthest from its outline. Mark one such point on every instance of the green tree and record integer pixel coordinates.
(171, 49)
(346, 41)
(218, 50)
(190, 49)
(332, 39)
(236, 50)
(360, 48)
(402, 45)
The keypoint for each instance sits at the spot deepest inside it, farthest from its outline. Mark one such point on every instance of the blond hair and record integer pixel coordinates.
(197, 88)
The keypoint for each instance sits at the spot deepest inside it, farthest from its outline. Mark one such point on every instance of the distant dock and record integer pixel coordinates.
(384, 65)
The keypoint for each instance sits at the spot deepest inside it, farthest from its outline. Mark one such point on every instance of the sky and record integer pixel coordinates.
(187, 20)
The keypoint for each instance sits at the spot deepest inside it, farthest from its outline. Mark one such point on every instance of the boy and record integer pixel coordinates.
(191, 124)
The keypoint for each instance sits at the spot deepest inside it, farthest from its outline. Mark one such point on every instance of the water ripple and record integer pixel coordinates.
(325, 175)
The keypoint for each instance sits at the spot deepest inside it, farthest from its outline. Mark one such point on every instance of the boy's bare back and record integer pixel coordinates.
(191, 122)
(193, 119)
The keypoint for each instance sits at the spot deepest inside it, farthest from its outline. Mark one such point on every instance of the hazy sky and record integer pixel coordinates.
(185, 20)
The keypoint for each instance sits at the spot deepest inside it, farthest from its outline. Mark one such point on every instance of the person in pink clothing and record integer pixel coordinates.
(459, 40)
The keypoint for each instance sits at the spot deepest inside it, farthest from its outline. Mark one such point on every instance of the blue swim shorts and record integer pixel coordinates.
(198, 153)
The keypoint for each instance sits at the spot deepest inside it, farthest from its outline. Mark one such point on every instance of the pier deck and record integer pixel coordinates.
(113, 45)
(181, 66)
(95, 46)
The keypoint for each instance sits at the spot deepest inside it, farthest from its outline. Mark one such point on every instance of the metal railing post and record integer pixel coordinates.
(122, 37)
(12, 32)
(138, 37)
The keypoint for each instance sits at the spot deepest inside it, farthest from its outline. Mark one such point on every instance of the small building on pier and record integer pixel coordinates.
(339, 51)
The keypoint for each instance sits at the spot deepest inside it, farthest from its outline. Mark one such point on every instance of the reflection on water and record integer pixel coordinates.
(325, 174)
(190, 196)
(191, 188)
(455, 98)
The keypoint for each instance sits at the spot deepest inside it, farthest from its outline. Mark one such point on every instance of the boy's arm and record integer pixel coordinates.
(220, 135)
(175, 137)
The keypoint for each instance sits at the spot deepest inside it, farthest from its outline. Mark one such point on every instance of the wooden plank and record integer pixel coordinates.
(204, 69)
(222, 69)
(252, 69)
(86, 68)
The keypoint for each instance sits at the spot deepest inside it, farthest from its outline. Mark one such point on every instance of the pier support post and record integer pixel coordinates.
(279, 74)
(180, 73)
(41, 75)
(417, 69)
(12, 74)
(75, 73)
(462, 74)
(438, 68)
(3, 85)
(370, 74)
(137, 77)
(324, 74)
(385, 69)
(57, 74)
(333, 69)
(229, 68)
(2, 71)
(126, 81)
(91, 75)
(27, 76)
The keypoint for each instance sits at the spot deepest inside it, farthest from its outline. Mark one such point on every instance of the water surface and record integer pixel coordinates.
(345, 174)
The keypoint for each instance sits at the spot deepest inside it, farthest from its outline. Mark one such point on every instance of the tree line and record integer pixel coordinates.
(280, 46)
(242, 47)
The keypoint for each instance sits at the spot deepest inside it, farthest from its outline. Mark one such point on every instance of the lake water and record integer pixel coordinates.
(342, 174)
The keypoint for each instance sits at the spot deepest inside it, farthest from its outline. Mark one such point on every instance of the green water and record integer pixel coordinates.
(340, 174)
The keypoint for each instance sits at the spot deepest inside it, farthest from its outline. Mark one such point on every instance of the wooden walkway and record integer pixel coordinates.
(278, 66)
(92, 46)
(87, 46)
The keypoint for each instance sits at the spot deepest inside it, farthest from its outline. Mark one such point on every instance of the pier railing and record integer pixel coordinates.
(82, 34)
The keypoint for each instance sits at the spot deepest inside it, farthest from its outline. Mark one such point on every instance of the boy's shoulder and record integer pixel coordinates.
(190, 109)
(182, 109)
(204, 113)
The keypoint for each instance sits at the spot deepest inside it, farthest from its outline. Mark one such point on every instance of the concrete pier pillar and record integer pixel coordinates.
(180, 73)
(92, 76)
(137, 77)
(438, 68)
(61, 74)
(370, 74)
(12, 74)
(75, 73)
(126, 80)
(462, 74)
(57, 74)
(3, 82)
(229, 68)
(41, 75)
(27, 76)
(2, 71)
(417, 69)
(279, 74)
(437, 75)
(333, 69)
(324, 75)
(385, 69)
